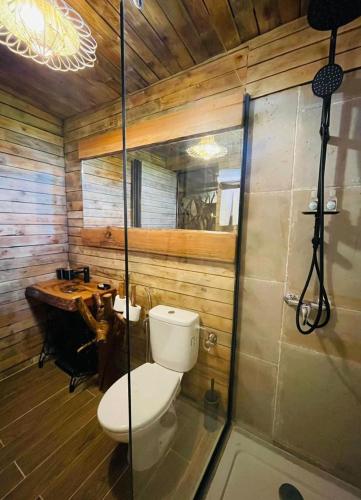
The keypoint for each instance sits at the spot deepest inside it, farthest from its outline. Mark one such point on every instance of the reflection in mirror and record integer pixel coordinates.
(102, 182)
(157, 202)
(188, 184)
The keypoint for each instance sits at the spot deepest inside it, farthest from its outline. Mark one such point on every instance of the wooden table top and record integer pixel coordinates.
(63, 294)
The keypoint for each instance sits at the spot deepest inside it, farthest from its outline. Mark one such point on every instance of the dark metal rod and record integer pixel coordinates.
(332, 53)
(238, 253)
(125, 208)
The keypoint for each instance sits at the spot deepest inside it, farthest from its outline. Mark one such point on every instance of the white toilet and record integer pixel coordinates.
(174, 339)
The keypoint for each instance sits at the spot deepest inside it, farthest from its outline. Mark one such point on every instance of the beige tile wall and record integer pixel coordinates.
(302, 392)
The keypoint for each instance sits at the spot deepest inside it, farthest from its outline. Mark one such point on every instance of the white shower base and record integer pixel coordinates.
(253, 470)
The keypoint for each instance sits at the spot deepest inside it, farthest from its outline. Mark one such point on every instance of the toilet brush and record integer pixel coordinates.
(211, 403)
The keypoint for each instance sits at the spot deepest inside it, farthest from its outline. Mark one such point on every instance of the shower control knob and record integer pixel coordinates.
(331, 205)
(313, 205)
(305, 311)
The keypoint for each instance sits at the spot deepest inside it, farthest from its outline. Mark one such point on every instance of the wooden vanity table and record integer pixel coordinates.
(65, 330)
(62, 294)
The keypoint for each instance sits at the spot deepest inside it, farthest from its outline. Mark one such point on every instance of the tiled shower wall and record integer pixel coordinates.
(302, 392)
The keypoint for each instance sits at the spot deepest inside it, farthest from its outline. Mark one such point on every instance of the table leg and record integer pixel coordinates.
(44, 350)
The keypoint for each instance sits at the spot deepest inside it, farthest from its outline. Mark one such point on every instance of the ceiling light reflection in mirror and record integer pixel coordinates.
(207, 149)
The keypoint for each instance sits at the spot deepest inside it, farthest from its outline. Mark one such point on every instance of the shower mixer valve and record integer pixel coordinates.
(292, 299)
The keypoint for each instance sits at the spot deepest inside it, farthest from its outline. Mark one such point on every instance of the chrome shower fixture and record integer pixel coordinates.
(293, 300)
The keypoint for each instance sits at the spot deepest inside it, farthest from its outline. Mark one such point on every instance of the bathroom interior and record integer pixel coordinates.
(180, 249)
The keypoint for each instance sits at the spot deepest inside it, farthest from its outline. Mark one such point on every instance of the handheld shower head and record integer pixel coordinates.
(327, 80)
(327, 15)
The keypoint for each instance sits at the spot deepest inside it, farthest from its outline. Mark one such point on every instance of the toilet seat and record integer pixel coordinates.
(153, 390)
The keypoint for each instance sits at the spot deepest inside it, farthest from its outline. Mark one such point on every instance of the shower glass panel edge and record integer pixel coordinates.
(124, 156)
(213, 462)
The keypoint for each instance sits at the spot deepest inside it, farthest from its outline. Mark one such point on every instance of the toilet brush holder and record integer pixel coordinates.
(120, 307)
(211, 405)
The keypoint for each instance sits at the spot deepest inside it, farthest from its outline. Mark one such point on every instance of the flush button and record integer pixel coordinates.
(171, 312)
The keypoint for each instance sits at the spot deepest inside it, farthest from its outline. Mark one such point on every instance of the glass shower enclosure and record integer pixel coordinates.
(184, 191)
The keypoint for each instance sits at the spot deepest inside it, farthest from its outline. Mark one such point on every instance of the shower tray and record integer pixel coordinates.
(252, 470)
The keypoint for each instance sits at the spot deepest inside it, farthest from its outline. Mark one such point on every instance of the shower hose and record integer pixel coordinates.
(317, 263)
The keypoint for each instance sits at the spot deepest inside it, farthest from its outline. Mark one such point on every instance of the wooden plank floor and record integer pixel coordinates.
(52, 446)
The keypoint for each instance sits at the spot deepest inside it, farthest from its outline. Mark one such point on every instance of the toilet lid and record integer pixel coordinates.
(153, 389)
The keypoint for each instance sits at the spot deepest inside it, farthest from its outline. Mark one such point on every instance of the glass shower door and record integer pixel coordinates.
(184, 198)
(182, 276)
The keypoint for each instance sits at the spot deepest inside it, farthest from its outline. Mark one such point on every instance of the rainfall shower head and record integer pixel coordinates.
(326, 15)
(327, 80)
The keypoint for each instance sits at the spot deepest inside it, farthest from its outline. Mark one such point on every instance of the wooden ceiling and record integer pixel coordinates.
(167, 37)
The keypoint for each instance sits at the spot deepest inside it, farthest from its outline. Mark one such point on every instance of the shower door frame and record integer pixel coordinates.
(213, 461)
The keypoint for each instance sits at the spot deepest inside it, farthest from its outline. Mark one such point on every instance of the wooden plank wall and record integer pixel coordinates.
(201, 245)
(285, 57)
(201, 286)
(159, 192)
(33, 222)
(292, 54)
(102, 180)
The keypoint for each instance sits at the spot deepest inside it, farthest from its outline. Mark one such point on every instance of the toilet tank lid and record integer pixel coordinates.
(173, 315)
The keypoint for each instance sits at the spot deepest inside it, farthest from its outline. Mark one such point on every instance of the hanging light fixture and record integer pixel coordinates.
(48, 31)
(207, 149)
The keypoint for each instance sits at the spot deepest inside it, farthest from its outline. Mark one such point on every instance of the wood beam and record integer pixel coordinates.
(204, 245)
(209, 115)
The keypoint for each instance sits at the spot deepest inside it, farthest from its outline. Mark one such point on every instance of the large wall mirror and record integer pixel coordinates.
(187, 184)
